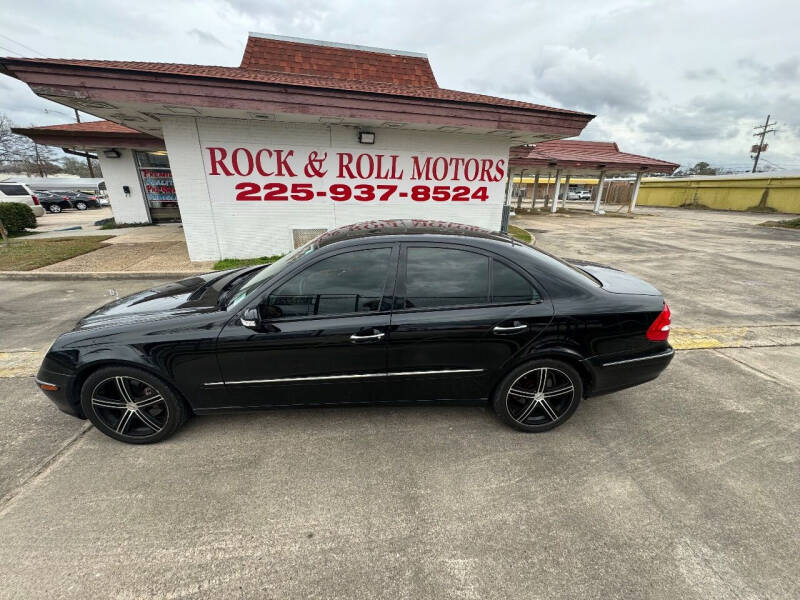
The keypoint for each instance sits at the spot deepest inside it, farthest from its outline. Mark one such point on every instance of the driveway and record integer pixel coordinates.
(685, 487)
(72, 218)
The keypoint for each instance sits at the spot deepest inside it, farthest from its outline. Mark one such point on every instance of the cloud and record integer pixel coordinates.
(708, 73)
(205, 37)
(782, 72)
(575, 78)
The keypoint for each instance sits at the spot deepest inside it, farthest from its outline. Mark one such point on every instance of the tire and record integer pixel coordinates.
(81, 205)
(54, 208)
(144, 410)
(525, 402)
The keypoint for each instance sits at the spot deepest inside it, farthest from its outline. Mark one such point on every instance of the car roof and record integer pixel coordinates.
(407, 227)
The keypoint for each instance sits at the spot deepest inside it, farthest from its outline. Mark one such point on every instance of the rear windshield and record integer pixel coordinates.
(560, 264)
(13, 190)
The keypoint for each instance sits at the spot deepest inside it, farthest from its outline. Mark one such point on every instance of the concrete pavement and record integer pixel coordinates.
(685, 487)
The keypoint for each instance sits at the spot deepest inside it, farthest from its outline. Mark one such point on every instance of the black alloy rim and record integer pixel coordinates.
(130, 406)
(540, 396)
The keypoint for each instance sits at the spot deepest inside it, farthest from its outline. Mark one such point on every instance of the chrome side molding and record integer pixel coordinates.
(354, 376)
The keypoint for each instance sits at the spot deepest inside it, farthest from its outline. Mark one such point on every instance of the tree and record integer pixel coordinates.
(10, 143)
(701, 168)
(77, 166)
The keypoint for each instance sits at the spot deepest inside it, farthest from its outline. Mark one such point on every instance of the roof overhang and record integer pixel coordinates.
(576, 159)
(65, 138)
(140, 100)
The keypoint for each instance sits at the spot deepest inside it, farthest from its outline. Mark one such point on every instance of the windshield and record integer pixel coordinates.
(251, 284)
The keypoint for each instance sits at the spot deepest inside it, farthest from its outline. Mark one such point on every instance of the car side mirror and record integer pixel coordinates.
(251, 319)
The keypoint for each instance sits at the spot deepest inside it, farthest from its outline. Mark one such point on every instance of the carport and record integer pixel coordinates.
(568, 159)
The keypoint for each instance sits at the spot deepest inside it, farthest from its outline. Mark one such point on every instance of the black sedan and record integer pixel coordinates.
(385, 311)
(54, 203)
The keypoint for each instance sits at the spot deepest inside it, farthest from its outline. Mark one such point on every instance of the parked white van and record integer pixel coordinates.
(19, 192)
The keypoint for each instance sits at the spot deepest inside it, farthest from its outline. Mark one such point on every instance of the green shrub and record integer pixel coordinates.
(17, 217)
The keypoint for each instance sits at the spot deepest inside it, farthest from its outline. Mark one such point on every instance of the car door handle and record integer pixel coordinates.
(371, 337)
(511, 329)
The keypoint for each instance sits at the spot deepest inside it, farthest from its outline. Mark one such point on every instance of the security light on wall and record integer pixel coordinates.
(366, 137)
(111, 153)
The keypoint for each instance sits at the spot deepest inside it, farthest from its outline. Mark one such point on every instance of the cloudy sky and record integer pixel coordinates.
(680, 80)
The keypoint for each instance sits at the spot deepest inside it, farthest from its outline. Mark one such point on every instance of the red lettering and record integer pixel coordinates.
(216, 161)
(486, 165)
(501, 172)
(458, 162)
(344, 167)
(283, 164)
(440, 168)
(417, 169)
(471, 163)
(235, 161)
(259, 164)
(395, 174)
(361, 173)
(379, 165)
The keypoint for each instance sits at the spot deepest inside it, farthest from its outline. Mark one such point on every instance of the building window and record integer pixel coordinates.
(156, 177)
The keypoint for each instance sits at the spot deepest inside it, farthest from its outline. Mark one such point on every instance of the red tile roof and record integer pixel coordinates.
(320, 78)
(337, 62)
(579, 153)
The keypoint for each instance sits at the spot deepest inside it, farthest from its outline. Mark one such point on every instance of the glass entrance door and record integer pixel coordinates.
(157, 185)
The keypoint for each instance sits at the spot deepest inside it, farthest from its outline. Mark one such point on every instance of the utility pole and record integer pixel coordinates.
(88, 160)
(765, 129)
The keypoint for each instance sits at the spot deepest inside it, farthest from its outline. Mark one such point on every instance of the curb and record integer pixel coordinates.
(77, 275)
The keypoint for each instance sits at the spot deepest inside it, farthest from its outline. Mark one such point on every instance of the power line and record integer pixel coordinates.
(20, 44)
(10, 50)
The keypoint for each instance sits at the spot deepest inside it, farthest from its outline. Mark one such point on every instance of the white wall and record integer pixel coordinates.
(119, 172)
(218, 226)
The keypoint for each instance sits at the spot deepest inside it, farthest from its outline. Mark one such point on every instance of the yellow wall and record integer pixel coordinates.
(783, 193)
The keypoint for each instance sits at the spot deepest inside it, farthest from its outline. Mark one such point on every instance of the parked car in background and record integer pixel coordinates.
(81, 200)
(19, 192)
(584, 195)
(573, 195)
(54, 203)
(378, 312)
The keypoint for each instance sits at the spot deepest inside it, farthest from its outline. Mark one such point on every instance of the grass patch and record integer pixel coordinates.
(520, 234)
(233, 263)
(760, 209)
(111, 224)
(26, 255)
(788, 223)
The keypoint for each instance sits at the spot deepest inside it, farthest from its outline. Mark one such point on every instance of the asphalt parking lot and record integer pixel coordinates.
(685, 487)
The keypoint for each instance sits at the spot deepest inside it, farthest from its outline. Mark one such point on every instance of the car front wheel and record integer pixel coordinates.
(538, 395)
(54, 208)
(131, 405)
(81, 205)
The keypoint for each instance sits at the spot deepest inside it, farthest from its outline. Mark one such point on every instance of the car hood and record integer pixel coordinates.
(616, 281)
(192, 295)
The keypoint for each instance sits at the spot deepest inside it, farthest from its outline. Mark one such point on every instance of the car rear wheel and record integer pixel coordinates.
(54, 208)
(539, 395)
(132, 405)
(81, 205)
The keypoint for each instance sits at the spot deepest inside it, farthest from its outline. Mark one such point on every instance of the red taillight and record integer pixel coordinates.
(35, 200)
(659, 330)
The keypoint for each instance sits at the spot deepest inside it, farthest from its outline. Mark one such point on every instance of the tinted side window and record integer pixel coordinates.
(13, 190)
(510, 286)
(445, 277)
(345, 283)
